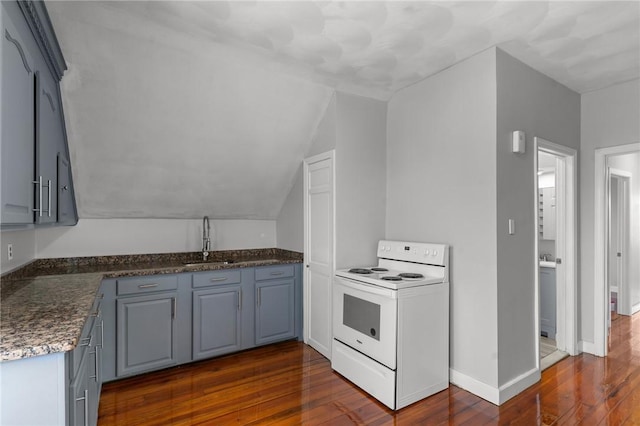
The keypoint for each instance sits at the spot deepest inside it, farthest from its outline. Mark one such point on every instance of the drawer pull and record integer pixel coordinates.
(277, 272)
(215, 280)
(85, 398)
(141, 286)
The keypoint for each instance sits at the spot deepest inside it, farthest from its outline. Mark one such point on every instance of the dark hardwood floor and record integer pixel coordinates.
(290, 383)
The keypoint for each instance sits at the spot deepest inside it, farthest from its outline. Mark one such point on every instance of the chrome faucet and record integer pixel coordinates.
(206, 241)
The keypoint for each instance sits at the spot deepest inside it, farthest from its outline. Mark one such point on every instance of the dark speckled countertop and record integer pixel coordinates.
(44, 305)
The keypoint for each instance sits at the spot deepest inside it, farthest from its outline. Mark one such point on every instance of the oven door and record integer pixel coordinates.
(364, 318)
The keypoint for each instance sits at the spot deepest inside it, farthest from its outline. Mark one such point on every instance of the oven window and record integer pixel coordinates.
(361, 315)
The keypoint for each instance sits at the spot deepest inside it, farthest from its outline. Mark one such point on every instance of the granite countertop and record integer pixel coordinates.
(44, 305)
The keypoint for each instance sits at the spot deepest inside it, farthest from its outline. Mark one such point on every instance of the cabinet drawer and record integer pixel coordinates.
(272, 272)
(206, 279)
(139, 285)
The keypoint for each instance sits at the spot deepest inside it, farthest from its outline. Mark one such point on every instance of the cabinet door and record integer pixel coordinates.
(216, 321)
(48, 139)
(274, 311)
(94, 370)
(146, 333)
(548, 302)
(80, 398)
(66, 212)
(18, 123)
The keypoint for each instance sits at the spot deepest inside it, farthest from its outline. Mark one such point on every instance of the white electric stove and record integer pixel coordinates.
(391, 323)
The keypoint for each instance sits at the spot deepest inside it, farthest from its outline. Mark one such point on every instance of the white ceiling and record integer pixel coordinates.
(180, 109)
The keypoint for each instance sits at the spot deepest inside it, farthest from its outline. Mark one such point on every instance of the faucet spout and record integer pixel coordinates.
(206, 241)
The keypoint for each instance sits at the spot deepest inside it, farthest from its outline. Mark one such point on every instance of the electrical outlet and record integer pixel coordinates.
(10, 251)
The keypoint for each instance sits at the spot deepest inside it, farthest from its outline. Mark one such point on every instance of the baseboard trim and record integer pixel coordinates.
(515, 386)
(588, 347)
(635, 308)
(492, 394)
(475, 386)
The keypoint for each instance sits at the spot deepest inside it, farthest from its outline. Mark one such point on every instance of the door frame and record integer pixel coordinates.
(329, 155)
(600, 202)
(566, 246)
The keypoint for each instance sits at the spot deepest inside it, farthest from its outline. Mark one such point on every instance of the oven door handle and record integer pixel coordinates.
(381, 291)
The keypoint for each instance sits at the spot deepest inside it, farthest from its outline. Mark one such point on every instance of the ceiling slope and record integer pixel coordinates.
(165, 125)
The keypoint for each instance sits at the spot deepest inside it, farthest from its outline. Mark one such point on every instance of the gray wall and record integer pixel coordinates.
(441, 187)
(356, 128)
(24, 249)
(540, 106)
(290, 220)
(609, 117)
(360, 178)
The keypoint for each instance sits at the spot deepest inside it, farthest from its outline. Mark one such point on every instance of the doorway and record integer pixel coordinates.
(319, 214)
(618, 229)
(616, 239)
(555, 248)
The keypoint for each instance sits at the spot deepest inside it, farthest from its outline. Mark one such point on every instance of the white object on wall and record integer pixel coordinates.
(518, 142)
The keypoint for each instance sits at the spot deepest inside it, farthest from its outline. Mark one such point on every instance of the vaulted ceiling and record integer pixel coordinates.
(181, 109)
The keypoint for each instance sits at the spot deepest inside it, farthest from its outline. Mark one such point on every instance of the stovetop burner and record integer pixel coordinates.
(380, 269)
(360, 271)
(410, 275)
(392, 278)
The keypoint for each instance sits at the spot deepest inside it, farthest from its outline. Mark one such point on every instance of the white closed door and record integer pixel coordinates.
(318, 253)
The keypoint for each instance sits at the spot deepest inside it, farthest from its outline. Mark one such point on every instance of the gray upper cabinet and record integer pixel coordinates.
(48, 141)
(33, 129)
(18, 121)
(66, 209)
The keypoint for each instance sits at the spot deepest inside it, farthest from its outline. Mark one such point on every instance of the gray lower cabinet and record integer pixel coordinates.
(79, 393)
(275, 304)
(153, 322)
(86, 371)
(146, 332)
(217, 322)
(548, 302)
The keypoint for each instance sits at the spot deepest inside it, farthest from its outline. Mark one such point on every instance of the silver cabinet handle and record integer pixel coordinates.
(240, 299)
(277, 272)
(174, 307)
(39, 183)
(49, 198)
(215, 280)
(85, 398)
(86, 341)
(101, 333)
(95, 363)
(258, 296)
(141, 286)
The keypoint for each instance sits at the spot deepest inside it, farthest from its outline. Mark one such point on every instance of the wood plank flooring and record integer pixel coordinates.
(290, 384)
